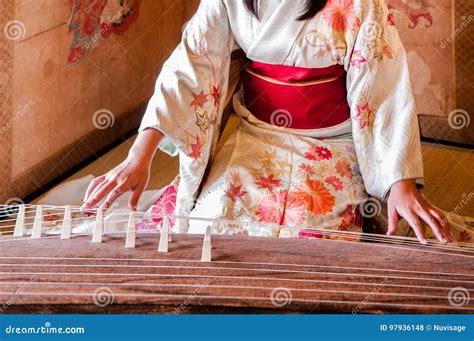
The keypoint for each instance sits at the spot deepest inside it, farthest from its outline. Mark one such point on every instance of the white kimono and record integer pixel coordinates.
(190, 92)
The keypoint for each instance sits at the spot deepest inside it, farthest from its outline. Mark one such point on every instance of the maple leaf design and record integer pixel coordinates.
(357, 59)
(216, 94)
(202, 120)
(235, 193)
(196, 148)
(199, 100)
(387, 51)
(390, 19)
(365, 116)
(268, 182)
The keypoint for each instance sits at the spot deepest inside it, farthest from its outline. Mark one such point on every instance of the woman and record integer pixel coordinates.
(327, 118)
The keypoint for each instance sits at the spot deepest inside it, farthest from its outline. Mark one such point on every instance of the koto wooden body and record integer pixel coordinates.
(247, 274)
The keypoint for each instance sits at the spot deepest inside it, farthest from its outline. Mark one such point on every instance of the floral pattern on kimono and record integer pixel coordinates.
(186, 105)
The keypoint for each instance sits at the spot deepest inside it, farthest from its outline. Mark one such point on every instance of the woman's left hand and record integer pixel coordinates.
(406, 201)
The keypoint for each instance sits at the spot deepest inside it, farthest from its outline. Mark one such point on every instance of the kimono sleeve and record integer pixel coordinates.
(383, 111)
(186, 103)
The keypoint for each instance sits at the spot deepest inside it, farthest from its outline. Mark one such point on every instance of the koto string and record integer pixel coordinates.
(365, 236)
(242, 262)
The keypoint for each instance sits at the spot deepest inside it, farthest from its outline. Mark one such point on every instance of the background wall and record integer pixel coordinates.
(55, 114)
(48, 105)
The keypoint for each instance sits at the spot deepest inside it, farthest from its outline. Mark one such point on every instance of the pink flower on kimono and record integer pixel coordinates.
(216, 94)
(270, 209)
(235, 193)
(365, 116)
(294, 211)
(335, 182)
(268, 182)
(318, 153)
(196, 148)
(344, 169)
(357, 59)
(307, 170)
(165, 205)
(340, 15)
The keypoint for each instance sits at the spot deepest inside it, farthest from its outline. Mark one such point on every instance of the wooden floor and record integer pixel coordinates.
(246, 275)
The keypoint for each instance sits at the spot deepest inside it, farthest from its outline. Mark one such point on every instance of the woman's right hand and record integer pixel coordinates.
(132, 174)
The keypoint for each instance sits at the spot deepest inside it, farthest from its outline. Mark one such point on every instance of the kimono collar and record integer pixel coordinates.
(277, 34)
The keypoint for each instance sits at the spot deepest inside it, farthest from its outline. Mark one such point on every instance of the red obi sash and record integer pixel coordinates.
(296, 97)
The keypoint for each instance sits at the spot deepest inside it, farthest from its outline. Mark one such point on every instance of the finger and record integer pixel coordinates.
(135, 197)
(433, 223)
(113, 195)
(443, 221)
(96, 190)
(94, 183)
(392, 220)
(100, 194)
(415, 224)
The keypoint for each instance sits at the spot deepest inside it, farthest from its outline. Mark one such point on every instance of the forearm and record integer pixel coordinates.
(145, 145)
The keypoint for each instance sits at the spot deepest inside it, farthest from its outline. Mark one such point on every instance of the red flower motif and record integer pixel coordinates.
(318, 153)
(317, 198)
(357, 59)
(196, 148)
(323, 153)
(216, 94)
(235, 193)
(344, 169)
(268, 182)
(365, 116)
(308, 170)
(335, 182)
